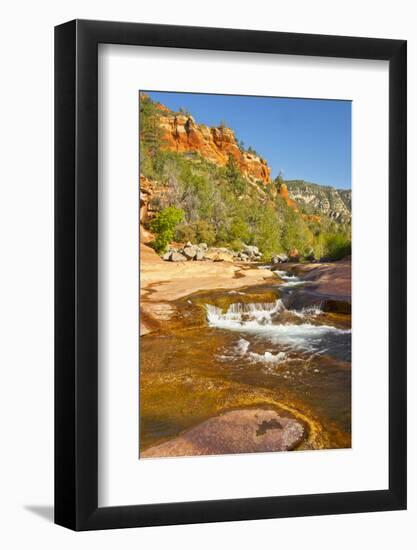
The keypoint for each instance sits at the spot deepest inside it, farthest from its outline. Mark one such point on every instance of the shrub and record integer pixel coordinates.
(184, 233)
(337, 246)
(236, 245)
(239, 230)
(234, 177)
(164, 224)
(205, 232)
(200, 231)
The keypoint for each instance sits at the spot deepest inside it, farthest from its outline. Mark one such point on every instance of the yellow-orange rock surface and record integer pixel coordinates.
(283, 192)
(182, 134)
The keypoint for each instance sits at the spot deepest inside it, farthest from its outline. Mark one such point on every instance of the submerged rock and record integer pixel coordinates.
(239, 431)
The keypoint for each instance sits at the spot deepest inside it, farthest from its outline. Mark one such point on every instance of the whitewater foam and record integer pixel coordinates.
(241, 314)
(258, 319)
(308, 311)
(268, 357)
(286, 276)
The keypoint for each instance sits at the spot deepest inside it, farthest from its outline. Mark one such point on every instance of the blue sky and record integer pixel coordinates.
(306, 139)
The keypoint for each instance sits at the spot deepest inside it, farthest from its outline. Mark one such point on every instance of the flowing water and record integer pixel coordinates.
(245, 348)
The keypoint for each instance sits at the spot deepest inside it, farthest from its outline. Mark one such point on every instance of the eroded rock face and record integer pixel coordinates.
(148, 190)
(182, 134)
(321, 200)
(327, 286)
(283, 192)
(240, 431)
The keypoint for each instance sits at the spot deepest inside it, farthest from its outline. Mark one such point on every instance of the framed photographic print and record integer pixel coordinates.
(230, 275)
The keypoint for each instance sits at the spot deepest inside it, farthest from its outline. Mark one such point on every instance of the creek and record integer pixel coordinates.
(229, 349)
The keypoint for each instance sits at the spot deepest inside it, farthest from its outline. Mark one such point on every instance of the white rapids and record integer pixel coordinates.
(241, 350)
(290, 280)
(263, 320)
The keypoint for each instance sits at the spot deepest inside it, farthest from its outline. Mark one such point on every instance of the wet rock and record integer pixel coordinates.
(239, 431)
(327, 286)
(337, 306)
(177, 257)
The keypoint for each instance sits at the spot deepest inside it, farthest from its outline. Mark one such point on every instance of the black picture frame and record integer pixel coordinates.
(76, 273)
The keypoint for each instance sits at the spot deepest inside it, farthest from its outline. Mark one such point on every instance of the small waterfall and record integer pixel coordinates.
(264, 320)
(239, 312)
(286, 276)
(290, 280)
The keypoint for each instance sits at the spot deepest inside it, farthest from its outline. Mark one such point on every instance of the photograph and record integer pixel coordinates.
(244, 274)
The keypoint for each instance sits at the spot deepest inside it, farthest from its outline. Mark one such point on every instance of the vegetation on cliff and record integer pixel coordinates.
(223, 204)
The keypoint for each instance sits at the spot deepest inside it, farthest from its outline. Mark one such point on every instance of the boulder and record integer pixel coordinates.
(219, 255)
(238, 431)
(190, 252)
(199, 255)
(250, 250)
(203, 246)
(177, 257)
(279, 259)
(167, 256)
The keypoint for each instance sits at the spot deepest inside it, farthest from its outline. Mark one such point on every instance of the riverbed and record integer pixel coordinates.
(281, 346)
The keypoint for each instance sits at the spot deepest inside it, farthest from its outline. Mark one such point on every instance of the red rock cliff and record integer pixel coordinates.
(182, 134)
(283, 192)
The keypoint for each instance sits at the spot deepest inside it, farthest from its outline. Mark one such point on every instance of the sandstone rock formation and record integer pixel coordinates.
(147, 190)
(182, 134)
(239, 431)
(283, 192)
(327, 285)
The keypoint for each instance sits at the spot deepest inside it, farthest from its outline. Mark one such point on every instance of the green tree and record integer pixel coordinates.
(234, 177)
(163, 225)
(337, 246)
(150, 130)
(279, 180)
